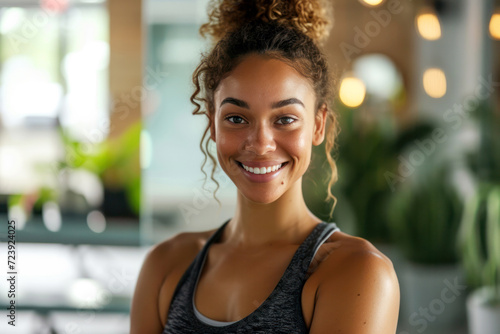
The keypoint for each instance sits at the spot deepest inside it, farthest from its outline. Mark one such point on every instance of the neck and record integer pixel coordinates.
(286, 220)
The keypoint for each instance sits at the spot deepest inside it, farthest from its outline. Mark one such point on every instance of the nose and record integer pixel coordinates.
(260, 140)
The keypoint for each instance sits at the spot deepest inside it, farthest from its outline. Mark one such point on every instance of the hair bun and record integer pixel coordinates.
(311, 17)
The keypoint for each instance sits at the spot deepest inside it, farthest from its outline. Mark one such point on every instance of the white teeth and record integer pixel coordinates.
(262, 170)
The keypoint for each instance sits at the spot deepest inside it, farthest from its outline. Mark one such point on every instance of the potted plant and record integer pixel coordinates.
(424, 216)
(115, 162)
(480, 248)
(113, 167)
(479, 241)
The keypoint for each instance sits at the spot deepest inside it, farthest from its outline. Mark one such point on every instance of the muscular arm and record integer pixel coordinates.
(358, 293)
(159, 276)
(144, 315)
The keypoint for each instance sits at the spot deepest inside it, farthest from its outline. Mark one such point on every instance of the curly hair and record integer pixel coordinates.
(309, 17)
(289, 31)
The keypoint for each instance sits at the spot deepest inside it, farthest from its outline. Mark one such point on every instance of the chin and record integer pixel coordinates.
(257, 198)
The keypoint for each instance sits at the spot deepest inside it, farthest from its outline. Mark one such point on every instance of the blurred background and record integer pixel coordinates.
(100, 158)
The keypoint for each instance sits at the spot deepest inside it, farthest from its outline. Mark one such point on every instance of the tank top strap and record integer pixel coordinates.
(296, 273)
(198, 261)
(190, 275)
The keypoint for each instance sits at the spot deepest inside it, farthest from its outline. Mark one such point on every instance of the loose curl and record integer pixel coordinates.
(285, 30)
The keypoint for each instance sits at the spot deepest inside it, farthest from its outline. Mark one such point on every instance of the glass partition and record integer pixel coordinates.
(174, 197)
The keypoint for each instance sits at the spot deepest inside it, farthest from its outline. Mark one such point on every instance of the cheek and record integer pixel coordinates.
(226, 143)
(221, 140)
(299, 145)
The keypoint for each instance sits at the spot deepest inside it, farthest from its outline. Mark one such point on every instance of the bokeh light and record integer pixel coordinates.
(495, 25)
(428, 24)
(435, 82)
(352, 92)
(372, 3)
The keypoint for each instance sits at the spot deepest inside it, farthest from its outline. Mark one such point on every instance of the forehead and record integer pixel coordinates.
(257, 79)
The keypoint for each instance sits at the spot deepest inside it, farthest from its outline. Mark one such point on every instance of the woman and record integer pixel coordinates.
(274, 267)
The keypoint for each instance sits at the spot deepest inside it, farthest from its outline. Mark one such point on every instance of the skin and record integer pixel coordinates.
(351, 288)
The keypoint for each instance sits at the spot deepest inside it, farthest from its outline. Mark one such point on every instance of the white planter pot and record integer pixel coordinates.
(483, 318)
(432, 298)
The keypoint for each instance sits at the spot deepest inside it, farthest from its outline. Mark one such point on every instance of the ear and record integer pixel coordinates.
(319, 125)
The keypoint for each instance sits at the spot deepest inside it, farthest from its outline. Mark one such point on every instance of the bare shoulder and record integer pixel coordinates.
(163, 257)
(354, 261)
(178, 248)
(163, 263)
(357, 291)
(344, 251)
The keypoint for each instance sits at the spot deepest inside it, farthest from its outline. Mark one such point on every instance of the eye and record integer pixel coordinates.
(235, 119)
(286, 120)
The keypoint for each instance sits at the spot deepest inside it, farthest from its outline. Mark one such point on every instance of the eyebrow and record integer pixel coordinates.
(275, 105)
(287, 102)
(236, 102)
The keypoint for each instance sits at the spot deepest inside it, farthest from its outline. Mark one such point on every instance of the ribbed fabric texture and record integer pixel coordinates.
(280, 313)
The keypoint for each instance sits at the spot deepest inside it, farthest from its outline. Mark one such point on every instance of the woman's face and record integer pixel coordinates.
(264, 127)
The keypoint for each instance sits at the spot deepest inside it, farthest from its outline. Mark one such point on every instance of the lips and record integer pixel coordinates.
(261, 168)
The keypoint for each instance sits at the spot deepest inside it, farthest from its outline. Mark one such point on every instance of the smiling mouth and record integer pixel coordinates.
(262, 170)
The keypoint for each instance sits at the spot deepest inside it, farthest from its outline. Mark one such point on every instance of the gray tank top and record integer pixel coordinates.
(281, 312)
